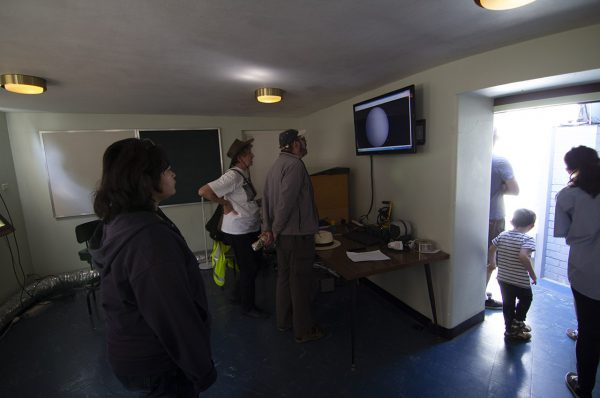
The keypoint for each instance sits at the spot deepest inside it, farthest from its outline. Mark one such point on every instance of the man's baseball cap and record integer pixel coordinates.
(287, 137)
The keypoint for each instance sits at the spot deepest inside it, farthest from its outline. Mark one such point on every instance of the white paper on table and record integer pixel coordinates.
(429, 251)
(375, 255)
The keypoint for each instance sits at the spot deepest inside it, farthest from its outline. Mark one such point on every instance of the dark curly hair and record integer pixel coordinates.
(131, 172)
(584, 165)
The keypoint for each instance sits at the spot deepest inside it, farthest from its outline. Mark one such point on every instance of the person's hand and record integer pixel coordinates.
(491, 266)
(533, 279)
(268, 237)
(228, 208)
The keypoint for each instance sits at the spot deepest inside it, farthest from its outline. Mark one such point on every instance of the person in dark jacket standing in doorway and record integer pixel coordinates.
(157, 319)
(290, 220)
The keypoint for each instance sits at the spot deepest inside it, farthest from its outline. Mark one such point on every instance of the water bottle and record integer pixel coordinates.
(259, 244)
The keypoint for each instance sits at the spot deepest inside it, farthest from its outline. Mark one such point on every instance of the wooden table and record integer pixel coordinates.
(337, 260)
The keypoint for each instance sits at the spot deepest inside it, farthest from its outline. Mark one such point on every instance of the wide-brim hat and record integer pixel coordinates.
(237, 147)
(324, 241)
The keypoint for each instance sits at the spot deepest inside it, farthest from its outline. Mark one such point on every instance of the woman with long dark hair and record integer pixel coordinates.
(157, 319)
(577, 218)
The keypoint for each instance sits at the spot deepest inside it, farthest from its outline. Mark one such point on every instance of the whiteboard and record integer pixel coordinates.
(74, 165)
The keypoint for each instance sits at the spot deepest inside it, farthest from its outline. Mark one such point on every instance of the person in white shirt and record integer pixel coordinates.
(241, 220)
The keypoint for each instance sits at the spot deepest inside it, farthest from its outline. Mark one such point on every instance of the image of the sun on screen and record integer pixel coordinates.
(386, 124)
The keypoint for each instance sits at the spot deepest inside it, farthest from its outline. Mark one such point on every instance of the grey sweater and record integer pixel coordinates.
(288, 205)
(577, 217)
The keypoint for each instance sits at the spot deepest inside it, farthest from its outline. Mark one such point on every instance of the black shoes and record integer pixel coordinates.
(492, 304)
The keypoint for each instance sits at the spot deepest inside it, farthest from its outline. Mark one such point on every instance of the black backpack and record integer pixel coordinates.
(213, 226)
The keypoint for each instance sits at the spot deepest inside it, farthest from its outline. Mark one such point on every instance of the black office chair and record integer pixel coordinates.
(84, 233)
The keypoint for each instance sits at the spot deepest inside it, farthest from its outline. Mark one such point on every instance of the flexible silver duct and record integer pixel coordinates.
(41, 289)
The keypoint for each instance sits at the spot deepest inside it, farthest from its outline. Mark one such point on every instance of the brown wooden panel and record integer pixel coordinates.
(331, 196)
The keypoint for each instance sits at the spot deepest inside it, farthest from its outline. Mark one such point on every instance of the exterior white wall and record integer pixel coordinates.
(443, 190)
(556, 253)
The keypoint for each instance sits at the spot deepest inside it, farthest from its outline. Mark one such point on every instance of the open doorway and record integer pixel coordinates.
(534, 141)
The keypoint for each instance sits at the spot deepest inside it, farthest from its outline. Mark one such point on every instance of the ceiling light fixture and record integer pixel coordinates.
(23, 84)
(268, 95)
(502, 4)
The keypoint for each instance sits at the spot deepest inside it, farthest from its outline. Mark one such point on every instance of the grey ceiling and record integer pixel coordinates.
(207, 57)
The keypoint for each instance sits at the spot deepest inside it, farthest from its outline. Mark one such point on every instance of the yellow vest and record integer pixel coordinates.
(220, 261)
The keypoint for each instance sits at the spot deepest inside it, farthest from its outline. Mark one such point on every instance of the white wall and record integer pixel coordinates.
(54, 248)
(8, 281)
(442, 190)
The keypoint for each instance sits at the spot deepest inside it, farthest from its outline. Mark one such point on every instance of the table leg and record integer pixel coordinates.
(431, 295)
(353, 321)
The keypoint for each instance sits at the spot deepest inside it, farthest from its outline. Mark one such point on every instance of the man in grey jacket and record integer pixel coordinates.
(290, 220)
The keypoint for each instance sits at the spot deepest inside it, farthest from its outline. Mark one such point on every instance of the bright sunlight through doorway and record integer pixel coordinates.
(534, 141)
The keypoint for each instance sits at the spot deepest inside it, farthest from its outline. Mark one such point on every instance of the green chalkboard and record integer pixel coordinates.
(195, 156)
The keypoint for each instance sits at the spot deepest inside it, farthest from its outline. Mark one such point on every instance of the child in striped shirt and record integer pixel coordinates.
(515, 268)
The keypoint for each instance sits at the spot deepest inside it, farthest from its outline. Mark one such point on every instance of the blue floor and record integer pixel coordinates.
(54, 352)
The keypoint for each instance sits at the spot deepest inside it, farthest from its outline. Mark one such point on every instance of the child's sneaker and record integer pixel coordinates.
(517, 335)
(521, 326)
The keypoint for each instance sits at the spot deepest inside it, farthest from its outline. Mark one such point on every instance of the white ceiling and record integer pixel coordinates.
(204, 57)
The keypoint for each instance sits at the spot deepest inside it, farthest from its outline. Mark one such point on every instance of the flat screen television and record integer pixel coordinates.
(386, 124)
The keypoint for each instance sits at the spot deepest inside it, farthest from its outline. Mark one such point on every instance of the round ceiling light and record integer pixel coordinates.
(268, 95)
(497, 5)
(23, 84)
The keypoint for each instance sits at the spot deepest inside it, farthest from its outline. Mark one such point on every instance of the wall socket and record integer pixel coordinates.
(4, 186)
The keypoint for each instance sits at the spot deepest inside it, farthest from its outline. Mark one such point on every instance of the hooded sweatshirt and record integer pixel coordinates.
(153, 295)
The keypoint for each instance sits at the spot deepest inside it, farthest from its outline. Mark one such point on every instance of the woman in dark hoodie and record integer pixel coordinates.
(158, 325)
